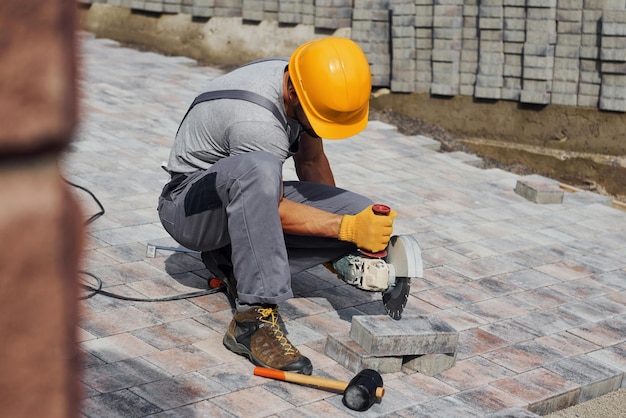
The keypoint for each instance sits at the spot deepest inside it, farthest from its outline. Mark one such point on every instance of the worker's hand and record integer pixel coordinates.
(367, 230)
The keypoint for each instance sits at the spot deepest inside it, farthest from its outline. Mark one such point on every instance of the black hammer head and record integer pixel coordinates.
(360, 394)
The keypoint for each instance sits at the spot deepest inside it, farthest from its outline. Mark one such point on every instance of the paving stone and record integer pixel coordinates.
(523, 357)
(121, 375)
(381, 335)
(252, 402)
(604, 333)
(315, 410)
(539, 192)
(473, 372)
(440, 408)
(116, 321)
(174, 334)
(345, 351)
(122, 404)
(543, 390)
(594, 378)
(429, 364)
(197, 409)
(513, 413)
(488, 399)
(179, 390)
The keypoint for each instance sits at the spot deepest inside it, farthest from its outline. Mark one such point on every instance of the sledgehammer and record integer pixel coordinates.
(359, 394)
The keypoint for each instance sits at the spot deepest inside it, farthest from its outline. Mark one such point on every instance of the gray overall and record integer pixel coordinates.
(235, 202)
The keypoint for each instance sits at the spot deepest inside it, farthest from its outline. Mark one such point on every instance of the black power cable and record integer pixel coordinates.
(97, 289)
(95, 216)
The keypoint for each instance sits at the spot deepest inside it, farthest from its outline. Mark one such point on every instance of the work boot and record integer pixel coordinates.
(256, 334)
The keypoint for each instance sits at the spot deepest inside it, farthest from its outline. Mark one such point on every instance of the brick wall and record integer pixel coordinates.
(40, 224)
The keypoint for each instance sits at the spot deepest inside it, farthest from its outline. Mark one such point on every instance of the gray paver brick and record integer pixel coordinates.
(345, 351)
(430, 364)
(381, 335)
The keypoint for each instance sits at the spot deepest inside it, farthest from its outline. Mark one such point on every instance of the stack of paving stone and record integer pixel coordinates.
(613, 57)
(252, 10)
(403, 50)
(227, 8)
(308, 12)
(424, 344)
(424, 10)
(270, 10)
(202, 8)
(370, 30)
(567, 53)
(173, 6)
(514, 38)
(469, 52)
(155, 6)
(186, 6)
(289, 11)
(333, 14)
(490, 77)
(538, 58)
(589, 78)
(447, 45)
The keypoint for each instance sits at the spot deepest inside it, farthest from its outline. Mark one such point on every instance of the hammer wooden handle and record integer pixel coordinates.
(303, 379)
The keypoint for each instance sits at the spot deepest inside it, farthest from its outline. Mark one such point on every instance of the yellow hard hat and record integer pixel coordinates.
(332, 79)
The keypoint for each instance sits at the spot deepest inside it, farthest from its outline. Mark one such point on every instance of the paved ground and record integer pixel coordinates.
(536, 292)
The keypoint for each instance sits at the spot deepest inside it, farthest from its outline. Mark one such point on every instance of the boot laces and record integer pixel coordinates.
(270, 316)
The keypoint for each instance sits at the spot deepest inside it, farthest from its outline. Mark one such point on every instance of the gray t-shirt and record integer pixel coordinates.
(220, 128)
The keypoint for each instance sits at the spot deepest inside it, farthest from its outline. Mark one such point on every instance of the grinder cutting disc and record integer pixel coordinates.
(395, 299)
(405, 258)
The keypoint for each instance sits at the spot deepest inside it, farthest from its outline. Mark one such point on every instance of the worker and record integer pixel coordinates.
(227, 198)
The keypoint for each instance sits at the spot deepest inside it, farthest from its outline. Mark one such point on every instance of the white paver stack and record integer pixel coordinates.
(539, 52)
(424, 11)
(469, 52)
(538, 57)
(447, 47)
(490, 77)
(514, 38)
(403, 52)
(613, 57)
(371, 30)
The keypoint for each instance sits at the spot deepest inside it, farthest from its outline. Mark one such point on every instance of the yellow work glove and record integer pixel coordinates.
(367, 230)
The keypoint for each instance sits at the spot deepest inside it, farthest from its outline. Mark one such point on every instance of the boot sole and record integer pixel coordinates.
(237, 348)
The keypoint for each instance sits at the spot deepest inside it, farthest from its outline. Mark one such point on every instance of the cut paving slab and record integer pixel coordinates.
(535, 292)
(381, 335)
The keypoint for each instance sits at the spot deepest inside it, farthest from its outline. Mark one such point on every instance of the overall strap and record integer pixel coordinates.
(246, 95)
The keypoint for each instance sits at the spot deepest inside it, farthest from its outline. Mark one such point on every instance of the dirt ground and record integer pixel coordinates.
(583, 148)
(612, 405)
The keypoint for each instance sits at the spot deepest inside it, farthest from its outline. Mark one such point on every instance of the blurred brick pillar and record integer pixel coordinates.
(40, 224)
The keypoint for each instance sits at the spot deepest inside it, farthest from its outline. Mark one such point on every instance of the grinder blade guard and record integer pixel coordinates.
(404, 254)
(390, 274)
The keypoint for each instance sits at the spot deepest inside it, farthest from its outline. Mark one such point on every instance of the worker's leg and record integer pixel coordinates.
(238, 198)
(305, 251)
(236, 202)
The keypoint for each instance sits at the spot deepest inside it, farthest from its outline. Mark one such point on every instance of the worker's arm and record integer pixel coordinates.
(311, 162)
(365, 229)
(301, 219)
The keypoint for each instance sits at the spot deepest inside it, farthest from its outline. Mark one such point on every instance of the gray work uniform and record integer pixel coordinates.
(226, 166)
